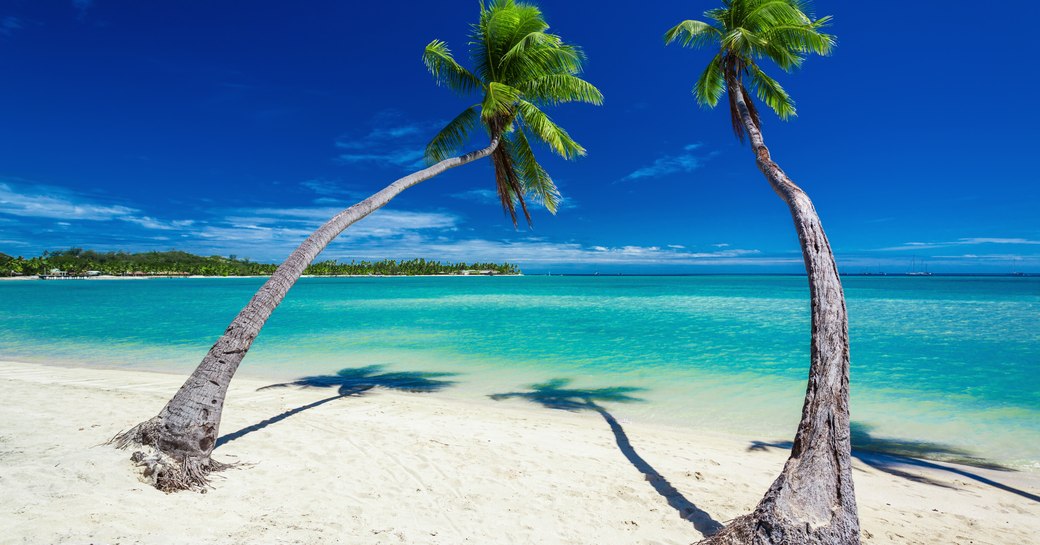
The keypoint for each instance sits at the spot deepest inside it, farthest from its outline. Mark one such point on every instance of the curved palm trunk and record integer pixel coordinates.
(186, 430)
(813, 500)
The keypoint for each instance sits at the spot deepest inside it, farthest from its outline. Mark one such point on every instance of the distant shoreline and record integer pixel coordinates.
(167, 277)
(610, 275)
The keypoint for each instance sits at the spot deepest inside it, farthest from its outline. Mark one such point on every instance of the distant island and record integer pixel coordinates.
(80, 263)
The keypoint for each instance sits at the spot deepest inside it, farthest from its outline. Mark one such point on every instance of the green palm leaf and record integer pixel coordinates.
(746, 31)
(770, 92)
(711, 84)
(548, 132)
(556, 88)
(453, 135)
(499, 101)
(439, 61)
(694, 34)
(535, 180)
(518, 66)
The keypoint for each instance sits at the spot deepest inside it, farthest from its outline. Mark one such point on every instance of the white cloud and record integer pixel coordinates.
(54, 203)
(997, 257)
(969, 241)
(490, 196)
(151, 223)
(393, 141)
(57, 205)
(294, 224)
(541, 252)
(270, 233)
(670, 164)
(329, 188)
(485, 196)
(406, 158)
(10, 24)
(983, 240)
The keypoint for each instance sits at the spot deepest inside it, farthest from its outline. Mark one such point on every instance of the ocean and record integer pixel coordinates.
(942, 367)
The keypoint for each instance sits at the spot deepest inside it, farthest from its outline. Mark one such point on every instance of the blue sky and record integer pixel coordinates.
(237, 128)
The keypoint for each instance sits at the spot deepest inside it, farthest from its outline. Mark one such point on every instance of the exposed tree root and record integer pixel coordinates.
(762, 528)
(166, 472)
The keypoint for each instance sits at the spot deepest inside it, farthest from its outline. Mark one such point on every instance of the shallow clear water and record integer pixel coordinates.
(951, 364)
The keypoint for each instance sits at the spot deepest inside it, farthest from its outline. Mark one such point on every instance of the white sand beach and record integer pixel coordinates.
(390, 467)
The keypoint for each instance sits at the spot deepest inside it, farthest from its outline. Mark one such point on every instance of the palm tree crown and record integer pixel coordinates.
(519, 68)
(746, 31)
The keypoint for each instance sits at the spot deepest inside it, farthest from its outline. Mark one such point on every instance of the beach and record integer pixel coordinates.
(397, 467)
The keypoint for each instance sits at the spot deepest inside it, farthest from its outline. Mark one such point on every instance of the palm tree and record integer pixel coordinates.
(518, 67)
(813, 500)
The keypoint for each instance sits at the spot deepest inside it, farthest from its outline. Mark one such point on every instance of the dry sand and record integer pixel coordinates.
(391, 467)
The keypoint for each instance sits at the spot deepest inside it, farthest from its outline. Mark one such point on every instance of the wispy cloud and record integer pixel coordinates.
(406, 158)
(82, 6)
(566, 203)
(331, 190)
(490, 196)
(269, 233)
(537, 252)
(970, 241)
(383, 223)
(393, 140)
(686, 161)
(9, 24)
(151, 223)
(54, 203)
(483, 196)
(993, 257)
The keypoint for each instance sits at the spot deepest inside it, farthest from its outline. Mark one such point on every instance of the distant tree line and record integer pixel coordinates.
(77, 261)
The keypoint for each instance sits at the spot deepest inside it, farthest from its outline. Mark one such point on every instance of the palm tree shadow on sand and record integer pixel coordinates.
(554, 394)
(889, 455)
(351, 382)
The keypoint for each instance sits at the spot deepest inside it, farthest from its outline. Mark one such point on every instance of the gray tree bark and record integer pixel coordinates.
(184, 433)
(813, 500)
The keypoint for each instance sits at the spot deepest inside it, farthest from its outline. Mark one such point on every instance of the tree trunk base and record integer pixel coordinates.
(165, 471)
(761, 529)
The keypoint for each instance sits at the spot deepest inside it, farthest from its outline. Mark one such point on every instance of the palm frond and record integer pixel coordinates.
(774, 12)
(548, 132)
(801, 38)
(539, 61)
(771, 93)
(719, 15)
(452, 136)
(786, 58)
(440, 62)
(535, 180)
(507, 181)
(693, 34)
(530, 41)
(499, 101)
(557, 88)
(711, 84)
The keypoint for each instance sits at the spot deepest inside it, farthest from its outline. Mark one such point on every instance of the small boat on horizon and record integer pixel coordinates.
(915, 272)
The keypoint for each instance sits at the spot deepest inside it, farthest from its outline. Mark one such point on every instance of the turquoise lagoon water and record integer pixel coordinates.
(950, 366)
